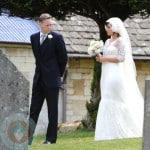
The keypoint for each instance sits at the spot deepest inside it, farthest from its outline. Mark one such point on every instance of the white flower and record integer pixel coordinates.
(97, 51)
(50, 36)
(95, 47)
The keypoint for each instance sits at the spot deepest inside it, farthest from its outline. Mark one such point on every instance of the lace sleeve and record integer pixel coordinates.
(121, 50)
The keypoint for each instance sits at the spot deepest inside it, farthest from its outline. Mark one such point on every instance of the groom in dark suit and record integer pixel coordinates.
(50, 57)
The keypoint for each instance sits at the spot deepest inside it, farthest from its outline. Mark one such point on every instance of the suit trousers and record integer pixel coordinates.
(39, 93)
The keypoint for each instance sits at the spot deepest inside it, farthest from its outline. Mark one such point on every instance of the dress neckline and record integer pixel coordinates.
(112, 41)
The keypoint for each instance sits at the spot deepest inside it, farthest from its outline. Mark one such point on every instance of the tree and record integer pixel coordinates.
(98, 10)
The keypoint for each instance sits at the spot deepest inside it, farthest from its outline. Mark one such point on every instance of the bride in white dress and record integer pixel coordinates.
(121, 109)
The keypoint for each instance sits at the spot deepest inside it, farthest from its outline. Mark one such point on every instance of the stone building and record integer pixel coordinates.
(139, 32)
(77, 31)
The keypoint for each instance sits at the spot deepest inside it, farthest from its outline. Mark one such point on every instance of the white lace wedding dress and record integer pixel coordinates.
(120, 113)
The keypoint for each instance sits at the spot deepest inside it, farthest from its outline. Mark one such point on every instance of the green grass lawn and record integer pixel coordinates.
(83, 140)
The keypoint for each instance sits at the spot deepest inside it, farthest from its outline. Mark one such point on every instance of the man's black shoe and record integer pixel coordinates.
(48, 142)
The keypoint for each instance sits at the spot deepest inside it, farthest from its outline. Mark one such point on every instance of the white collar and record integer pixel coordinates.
(41, 33)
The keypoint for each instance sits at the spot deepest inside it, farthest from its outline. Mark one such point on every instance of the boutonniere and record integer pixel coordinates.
(50, 36)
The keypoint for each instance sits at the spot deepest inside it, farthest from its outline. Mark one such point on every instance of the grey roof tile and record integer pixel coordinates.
(138, 51)
(145, 25)
(77, 30)
(139, 33)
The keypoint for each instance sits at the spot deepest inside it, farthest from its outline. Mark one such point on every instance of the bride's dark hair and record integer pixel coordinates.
(108, 23)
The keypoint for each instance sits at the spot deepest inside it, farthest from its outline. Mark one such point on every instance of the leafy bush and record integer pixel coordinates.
(92, 105)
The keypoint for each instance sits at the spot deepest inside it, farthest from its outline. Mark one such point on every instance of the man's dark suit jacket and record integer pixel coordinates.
(50, 59)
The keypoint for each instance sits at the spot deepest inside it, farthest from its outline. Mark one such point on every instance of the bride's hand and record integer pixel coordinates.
(98, 57)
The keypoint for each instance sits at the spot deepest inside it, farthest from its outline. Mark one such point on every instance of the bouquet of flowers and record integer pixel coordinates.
(95, 47)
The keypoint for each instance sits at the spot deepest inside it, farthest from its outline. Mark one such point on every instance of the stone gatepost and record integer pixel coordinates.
(146, 131)
(14, 99)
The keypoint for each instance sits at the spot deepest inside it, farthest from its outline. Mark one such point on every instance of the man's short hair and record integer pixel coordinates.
(44, 16)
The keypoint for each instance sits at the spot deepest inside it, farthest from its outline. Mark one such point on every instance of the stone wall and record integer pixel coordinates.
(143, 71)
(78, 80)
(78, 88)
(22, 57)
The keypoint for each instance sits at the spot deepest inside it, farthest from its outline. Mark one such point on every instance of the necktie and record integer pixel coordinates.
(42, 38)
